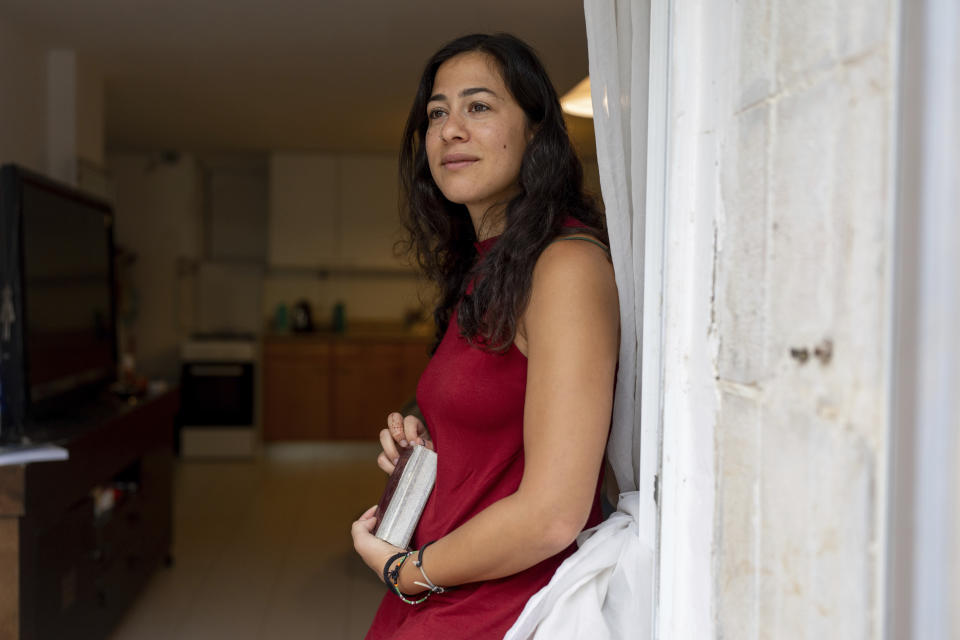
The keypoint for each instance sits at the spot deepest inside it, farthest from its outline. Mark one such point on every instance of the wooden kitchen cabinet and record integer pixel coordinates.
(296, 391)
(368, 384)
(337, 388)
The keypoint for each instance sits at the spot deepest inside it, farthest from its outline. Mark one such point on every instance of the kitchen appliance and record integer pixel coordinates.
(218, 399)
(302, 317)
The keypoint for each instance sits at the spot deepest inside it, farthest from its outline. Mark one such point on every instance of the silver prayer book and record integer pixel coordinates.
(406, 495)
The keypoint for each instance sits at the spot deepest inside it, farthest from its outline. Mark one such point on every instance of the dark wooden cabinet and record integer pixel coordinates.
(296, 391)
(368, 384)
(76, 570)
(338, 388)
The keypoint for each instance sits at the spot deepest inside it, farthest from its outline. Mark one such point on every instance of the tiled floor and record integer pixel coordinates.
(262, 550)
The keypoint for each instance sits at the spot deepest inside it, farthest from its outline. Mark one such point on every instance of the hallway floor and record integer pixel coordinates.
(262, 549)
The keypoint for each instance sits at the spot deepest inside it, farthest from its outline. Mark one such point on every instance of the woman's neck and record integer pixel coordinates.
(487, 222)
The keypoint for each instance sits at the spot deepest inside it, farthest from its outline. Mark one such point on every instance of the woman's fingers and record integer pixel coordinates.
(400, 432)
(413, 430)
(363, 526)
(389, 446)
(395, 423)
(384, 463)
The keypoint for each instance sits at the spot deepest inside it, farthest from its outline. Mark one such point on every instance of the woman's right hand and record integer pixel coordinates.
(400, 433)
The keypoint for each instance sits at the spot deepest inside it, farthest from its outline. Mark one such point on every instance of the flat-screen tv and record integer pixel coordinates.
(57, 302)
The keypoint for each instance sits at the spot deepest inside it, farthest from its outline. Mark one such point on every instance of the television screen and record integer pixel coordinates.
(66, 268)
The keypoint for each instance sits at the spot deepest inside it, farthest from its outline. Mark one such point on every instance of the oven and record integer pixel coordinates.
(218, 399)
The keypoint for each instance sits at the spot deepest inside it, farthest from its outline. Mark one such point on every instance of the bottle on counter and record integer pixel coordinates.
(339, 317)
(281, 322)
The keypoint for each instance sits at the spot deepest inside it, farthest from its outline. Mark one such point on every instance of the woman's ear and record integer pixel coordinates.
(532, 131)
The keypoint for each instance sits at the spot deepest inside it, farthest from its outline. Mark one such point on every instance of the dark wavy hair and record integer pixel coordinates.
(441, 233)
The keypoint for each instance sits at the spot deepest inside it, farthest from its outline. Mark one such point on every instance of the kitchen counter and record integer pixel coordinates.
(360, 332)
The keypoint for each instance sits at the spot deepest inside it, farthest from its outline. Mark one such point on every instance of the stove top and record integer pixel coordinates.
(210, 349)
(223, 336)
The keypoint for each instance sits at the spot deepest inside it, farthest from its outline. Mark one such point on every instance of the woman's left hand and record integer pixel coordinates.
(374, 551)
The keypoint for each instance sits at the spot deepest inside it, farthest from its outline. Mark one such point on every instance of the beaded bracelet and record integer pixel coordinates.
(392, 577)
(387, 573)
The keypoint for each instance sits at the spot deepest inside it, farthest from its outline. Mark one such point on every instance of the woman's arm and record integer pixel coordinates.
(571, 338)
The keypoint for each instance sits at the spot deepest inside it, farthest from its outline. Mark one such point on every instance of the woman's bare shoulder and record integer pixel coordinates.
(577, 257)
(573, 289)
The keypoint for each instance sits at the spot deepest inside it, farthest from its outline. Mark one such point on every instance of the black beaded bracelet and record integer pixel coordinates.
(391, 577)
(386, 568)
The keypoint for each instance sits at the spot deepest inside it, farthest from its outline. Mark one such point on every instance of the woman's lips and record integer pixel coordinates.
(458, 161)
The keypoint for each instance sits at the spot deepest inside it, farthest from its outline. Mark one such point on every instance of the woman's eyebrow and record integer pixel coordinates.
(439, 97)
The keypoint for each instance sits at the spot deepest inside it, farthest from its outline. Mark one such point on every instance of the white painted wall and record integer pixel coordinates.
(23, 94)
(157, 211)
(62, 115)
(90, 113)
(778, 248)
(237, 211)
(803, 132)
(47, 99)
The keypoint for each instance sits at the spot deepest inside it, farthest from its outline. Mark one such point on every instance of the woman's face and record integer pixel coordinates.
(476, 134)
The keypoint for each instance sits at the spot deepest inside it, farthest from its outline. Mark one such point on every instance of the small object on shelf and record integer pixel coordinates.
(280, 321)
(23, 453)
(302, 317)
(130, 384)
(104, 500)
(339, 317)
(157, 387)
(406, 495)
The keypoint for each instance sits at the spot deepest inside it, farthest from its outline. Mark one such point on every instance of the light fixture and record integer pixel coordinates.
(577, 101)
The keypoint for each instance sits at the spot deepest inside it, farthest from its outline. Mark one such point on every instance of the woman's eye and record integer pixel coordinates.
(433, 114)
(479, 107)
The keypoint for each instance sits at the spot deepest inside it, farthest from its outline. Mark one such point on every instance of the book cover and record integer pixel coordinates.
(406, 495)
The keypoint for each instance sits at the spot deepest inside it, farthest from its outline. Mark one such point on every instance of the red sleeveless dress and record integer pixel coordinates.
(472, 401)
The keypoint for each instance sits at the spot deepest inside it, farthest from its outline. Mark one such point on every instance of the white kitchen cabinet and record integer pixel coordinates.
(369, 220)
(334, 211)
(304, 210)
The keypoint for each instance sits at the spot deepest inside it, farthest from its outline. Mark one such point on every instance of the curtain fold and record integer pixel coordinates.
(603, 591)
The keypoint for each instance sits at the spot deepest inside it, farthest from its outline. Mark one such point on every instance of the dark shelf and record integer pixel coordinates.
(78, 572)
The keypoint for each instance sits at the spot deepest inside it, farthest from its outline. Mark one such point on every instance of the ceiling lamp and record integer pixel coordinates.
(577, 101)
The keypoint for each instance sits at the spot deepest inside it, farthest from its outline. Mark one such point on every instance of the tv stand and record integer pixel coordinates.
(72, 557)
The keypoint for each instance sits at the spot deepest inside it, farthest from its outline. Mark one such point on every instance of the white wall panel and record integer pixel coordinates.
(23, 94)
(304, 207)
(369, 212)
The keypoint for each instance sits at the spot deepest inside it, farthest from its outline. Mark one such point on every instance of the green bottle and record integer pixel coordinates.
(339, 317)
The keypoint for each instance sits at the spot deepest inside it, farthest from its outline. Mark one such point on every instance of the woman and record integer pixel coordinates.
(518, 394)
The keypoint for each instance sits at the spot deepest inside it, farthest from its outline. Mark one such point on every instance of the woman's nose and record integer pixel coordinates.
(454, 128)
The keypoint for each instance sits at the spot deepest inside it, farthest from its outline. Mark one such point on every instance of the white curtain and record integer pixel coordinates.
(604, 590)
